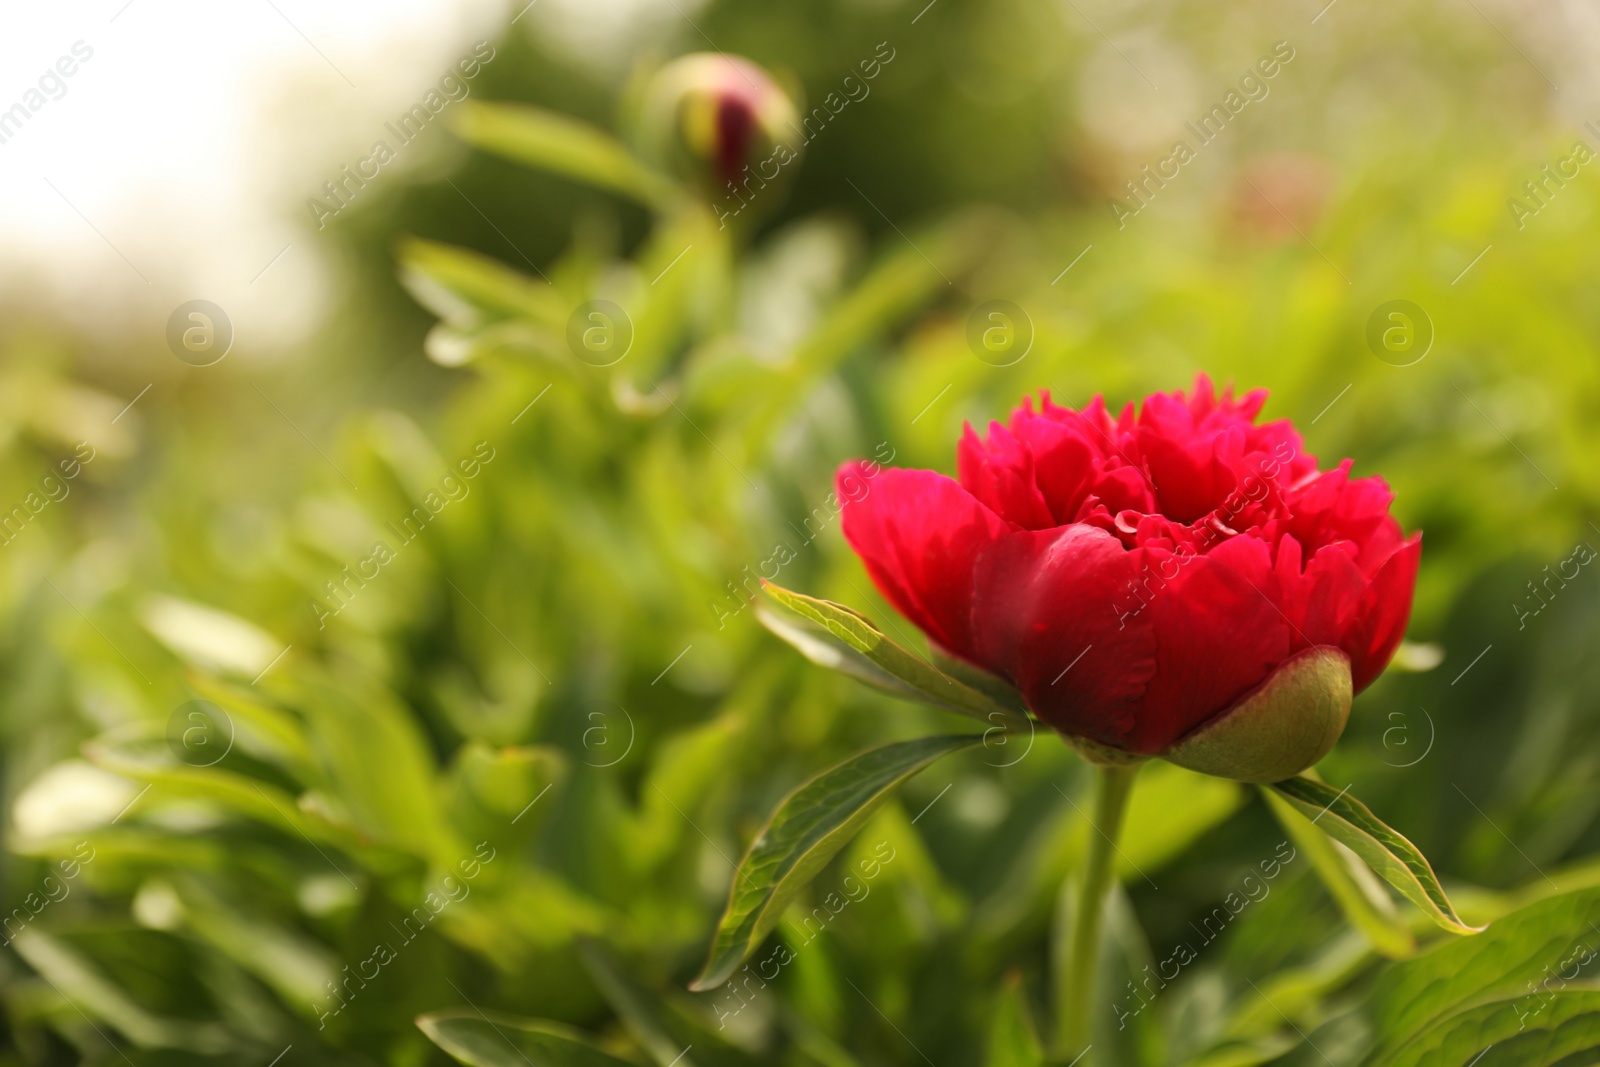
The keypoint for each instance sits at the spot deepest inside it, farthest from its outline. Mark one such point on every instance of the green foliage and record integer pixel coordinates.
(510, 761)
(482, 1040)
(1517, 966)
(809, 828)
(555, 142)
(1389, 853)
(858, 649)
(1013, 1041)
(1364, 903)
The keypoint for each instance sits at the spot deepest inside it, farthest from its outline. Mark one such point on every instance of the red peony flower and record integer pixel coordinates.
(1137, 577)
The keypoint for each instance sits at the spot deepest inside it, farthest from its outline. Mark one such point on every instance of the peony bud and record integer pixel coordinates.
(1279, 730)
(719, 121)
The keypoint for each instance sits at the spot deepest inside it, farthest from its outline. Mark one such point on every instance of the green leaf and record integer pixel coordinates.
(494, 1040)
(810, 826)
(498, 793)
(89, 990)
(992, 686)
(825, 650)
(147, 759)
(380, 768)
(1365, 904)
(1013, 1041)
(465, 288)
(269, 732)
(1557, 1028)
(208, 638)
(515, 339)
(661, 1022)
(554, 142)
(848, 643)
(1490, 986)
(1348, 821)
(1246, 1054)
(296, 967)
(1297, 992)
(900, 283)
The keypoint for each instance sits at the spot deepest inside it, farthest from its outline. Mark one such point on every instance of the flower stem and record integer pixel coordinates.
(1114, 783)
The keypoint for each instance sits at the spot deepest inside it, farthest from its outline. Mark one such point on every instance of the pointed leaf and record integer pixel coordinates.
(147, 759)
(822, 648)
(1348, 821)
(380, 765)
(663, 1023)
(493, 1040)
(269, 731)
(555, 142)
(809, 828)
(848, 643)
(1367, 906)
(467, 288)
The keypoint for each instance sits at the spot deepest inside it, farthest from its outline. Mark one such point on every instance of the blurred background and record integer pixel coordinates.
(344, 571)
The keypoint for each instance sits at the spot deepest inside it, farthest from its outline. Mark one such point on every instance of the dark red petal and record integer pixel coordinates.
(1058, 613)
(1218, 635)
(1385, 609)
(919, 534)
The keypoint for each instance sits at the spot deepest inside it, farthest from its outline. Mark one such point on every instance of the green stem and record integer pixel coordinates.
(1114, 783)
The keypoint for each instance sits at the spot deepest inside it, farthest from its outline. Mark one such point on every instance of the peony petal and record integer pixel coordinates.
(1065, 461)
(999, 472)
(1380, 622)
(1289, 459)
(1184, 477)
(1058, 612)
(1330, 596)
(1124, 489)
(919, 535)
(1335, 507)
(1218, 635)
